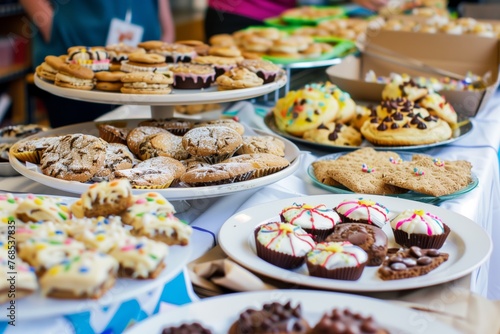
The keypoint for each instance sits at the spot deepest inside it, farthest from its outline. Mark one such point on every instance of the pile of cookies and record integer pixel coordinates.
(158, 154)
(408, 115)
(384, 173)
(154, 67)
(77, 250)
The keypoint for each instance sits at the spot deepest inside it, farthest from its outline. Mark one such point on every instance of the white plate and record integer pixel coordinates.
(468, 245)
(218, 313)
(36, 306)
(291, 150)
(178, 96)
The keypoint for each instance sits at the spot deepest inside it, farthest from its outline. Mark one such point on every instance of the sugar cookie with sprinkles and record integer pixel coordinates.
(318, 220)
(107, 198)
(151, 202)
(35, 208)
(140, 257)
(283, 244)
(43, 253)
(163, 227)
(363, 210)
(305, 109)
(87, 274)
(26, 281)
(419, 228)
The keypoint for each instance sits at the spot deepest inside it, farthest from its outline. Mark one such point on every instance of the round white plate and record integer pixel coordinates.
(177, 96)
(36, 306)
(468, 245)
(175, 193)
(218, 313)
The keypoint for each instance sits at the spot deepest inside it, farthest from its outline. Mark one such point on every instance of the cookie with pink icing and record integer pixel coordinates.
(363, 210)
(419, 228)
(283, 244)
(318, 220)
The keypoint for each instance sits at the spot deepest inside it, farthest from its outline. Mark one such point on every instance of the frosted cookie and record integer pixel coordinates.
(75, 76)
(42, 208)
(238, 78)
(220, 173)
(363, 211)
(336, 260)
(137, 135)
(162, 227)
(147, 83)
(347, 106)
(140, 257)
(318, 220)
(80, 276)
(101, 237)
(438, 106)
(118, 156)
(212, 143)
(79, 225)
(106, 198)
(262, 144)
(411, 262)
(25, 279)
(263, 163)
(39, 229)
(148, 203)
(75, 157)
(406, 130)
(430, 175)
(336, 134)
(305, 109)
(43, 253)
(162, 144)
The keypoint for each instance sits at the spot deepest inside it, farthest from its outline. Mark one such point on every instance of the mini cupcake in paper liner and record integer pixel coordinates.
(217, 174)
(264, 163)
(282, 244)
(113, 134)
(337, 260)
(419, 228)
(317, 220)
(143, 178)
(31, 150)
(218, 158)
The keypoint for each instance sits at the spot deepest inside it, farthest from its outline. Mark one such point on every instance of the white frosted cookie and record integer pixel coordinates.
(25, 279)
(78, 225)
(147, 203)
(106, 198)
(75, 157)
(39, 229)
(43, 253)
(163, 227)
(35, 208)
(88, 274)
(140, 257)
(101, 237)
(8, 205)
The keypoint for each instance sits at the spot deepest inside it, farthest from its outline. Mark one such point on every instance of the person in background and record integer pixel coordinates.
(228, 16)
(61, 24)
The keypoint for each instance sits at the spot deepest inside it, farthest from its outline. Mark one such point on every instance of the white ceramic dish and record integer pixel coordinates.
(292, 155)
(218, 313)
(468, 245)
(36, 306)
(178, 96)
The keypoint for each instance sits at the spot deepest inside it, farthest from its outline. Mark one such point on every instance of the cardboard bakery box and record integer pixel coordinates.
(456, 53)
(482, 11)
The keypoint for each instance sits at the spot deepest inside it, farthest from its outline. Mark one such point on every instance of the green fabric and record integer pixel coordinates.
(86, 23)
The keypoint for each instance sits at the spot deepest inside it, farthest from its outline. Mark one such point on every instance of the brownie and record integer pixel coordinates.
(344, 321)
(411, 262)
(272, 318)
(370, 238)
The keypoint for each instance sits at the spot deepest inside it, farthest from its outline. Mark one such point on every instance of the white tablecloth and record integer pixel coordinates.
(482, 205)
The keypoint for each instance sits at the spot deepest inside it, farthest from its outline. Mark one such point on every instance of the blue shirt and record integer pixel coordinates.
(86, 23)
